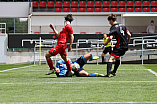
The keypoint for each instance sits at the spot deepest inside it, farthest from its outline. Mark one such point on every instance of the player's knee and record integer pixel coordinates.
(47, 55)
(90, 54)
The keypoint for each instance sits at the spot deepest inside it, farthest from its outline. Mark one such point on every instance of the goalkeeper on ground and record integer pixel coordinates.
(62, 71)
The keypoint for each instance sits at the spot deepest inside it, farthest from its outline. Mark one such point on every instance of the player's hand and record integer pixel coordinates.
(51, 25)
(103, 47)
(69, 49)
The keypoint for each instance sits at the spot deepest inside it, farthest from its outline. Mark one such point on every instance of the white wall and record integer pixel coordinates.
(139, 24)
(88, 24)
(14, 9)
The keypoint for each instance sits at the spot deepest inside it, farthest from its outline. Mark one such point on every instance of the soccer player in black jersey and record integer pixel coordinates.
(122, 36)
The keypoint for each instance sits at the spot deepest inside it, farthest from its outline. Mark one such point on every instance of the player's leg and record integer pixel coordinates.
(83, 73)
(48, 55)
(102, 56)
(109, 65)
(117, 63)
(68, 64)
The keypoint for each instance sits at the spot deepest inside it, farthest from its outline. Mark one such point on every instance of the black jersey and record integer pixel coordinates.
(120, 33)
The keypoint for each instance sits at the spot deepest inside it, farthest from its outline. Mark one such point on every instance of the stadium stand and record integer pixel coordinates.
(90, 4)
(74, 4)
(50, 4)
(122, 10)
(58, 4)
(146, 3)
(82, 4)
(106, 10)
(97, 5)
(106, 3)
(89, 9)
(66, 4)
(97, 9)
(36, 32)
(42, 3)
(74, 10)
(66, 9)
(82, 32)
(58, 10)
(113, 9)
(138, 10)
(146, 9)
(82, 10)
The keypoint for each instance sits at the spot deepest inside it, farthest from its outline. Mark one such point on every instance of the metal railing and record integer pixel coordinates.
(143, 44)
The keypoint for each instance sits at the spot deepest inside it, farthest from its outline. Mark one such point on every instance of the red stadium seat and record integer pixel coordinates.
(35, 3)
(146, 10)
(97, 3)
(154, 9)
(82, 32)
(36, 32)
(130, 3)
(97, 9)
(122, 3)
(90, 4)
(58, 10)
(113, 9)
(138, 10)
(113, 3)
(130, 10)
(66, 10)
(137, 3)
(58, 4)
(153, 3)
(73, 9)
(74, 4)
(89, 9)
(51, 33)
(106, 10)
(50, 4)
(121, 9)
(82, 4)
(2, 1)
(145, 3)
(98, 32)
(66, 4)
(82, 10)
(106, 4)
(42, 3)
(18, 1)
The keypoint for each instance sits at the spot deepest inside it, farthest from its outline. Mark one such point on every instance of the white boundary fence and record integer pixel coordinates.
(97, 44)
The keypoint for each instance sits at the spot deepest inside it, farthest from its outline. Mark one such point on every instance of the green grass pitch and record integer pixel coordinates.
(133, 84)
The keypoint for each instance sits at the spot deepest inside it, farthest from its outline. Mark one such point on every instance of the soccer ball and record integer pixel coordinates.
(75, 66)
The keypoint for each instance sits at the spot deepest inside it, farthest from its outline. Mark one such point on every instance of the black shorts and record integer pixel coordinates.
(107, 49)
(117, 52)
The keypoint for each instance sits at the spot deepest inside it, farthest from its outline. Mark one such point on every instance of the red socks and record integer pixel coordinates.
(50, 63)
(68, 64)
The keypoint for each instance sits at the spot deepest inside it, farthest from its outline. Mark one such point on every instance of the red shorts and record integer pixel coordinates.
(59, 48)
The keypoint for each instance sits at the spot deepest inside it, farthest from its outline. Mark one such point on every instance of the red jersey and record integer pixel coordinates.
(64, 34)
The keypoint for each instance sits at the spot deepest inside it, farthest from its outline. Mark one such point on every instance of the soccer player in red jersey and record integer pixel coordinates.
(60, 48)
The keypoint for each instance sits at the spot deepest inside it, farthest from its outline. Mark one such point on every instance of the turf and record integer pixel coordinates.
(30, 85)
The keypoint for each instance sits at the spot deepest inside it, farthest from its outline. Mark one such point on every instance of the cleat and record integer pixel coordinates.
(114, 74)
(94, 58)
(107, 76)
(50, 72)
(99, 75)
(71, 73)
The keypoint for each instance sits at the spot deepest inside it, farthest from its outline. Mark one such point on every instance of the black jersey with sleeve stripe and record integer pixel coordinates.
(120, 33)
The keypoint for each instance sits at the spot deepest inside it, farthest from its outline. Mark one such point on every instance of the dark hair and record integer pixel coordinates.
(152, 21)
(112, 17)
(69, 18)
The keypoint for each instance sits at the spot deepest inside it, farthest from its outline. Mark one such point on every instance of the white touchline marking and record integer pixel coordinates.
(152, 72)
(84, 82)
(77, 102)
(17, 68)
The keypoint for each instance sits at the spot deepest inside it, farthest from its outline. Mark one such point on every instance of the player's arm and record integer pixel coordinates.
(129, 36)
(55, 31)
(71, 41)
(109, 40)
